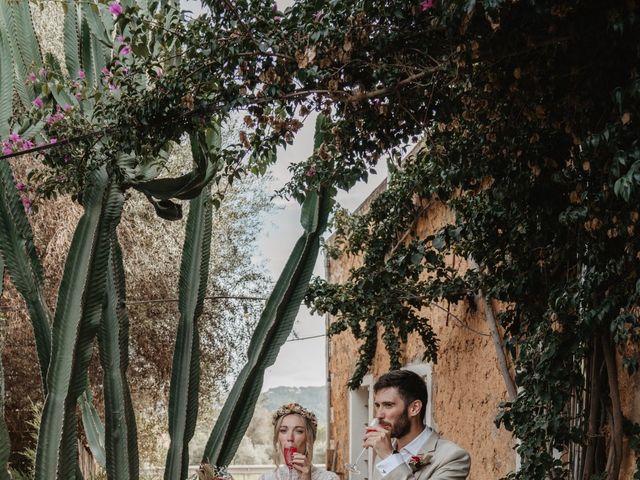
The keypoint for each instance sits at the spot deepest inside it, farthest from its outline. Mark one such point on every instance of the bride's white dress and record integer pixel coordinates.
(282, 473)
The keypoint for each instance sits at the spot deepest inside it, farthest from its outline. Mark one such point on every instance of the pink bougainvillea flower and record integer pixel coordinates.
(115, 8)
(31, 77)
(27, 144)
(67, 108)
(21, 186)
(14, 137)
(120, 39)
(55, 118)
(43, 72)
(6, 149)
(427, 4)
(126, 50)
(78, 95)
(312, 171)
(317, 16)
(53, 140)
(81, 74)
(26, 202)
(277, 18)
(38, 103)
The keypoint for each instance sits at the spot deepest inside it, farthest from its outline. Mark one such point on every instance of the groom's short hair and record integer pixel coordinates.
(410, 387)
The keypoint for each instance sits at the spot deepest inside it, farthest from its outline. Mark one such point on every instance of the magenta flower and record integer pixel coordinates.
(31, 77)
(78, 95)
(427, 4)
(115, 8)
(317, 16)
(55, 118)
(81, 74)
(38, 103)
(43, 72)
(126, 50)
(53, 140)
(21, 187)
(312, 171)
(27, 144)
(6, 149)
(277, 18)
(120, 39)
(26, 202)
(14, 137)
(66, 107)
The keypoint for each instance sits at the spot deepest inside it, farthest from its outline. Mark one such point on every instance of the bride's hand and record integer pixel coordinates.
(303, 467)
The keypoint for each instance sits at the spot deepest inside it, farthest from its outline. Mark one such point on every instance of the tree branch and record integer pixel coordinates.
(615, 453)
(497, 340)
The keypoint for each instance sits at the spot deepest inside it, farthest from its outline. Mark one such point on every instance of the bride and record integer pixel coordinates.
(295, 426)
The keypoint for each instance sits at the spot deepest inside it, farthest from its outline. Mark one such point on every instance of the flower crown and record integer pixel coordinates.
(289, 408)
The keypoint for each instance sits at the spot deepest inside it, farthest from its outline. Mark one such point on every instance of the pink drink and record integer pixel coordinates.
(289, 452)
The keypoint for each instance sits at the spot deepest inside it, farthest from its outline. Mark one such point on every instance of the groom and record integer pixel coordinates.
(416, 452)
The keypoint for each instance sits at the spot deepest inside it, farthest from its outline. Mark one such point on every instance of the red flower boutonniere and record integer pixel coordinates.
(416, 462)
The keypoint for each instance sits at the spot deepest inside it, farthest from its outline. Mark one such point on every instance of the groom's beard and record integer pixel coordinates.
(402, 425)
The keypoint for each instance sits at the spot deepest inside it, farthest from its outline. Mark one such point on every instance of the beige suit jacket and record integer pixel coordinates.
(441, 459)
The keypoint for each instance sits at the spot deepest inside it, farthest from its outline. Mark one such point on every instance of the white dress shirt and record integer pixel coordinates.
(412, 448)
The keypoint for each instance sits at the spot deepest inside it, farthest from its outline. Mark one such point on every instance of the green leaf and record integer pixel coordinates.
(86, 59)
(166, 209)
(190, 185)
(93, 428)
(22, 262)
(79, 307)
(6, 85)
(92, 15)
(71, 38)
(185, 371)
(15, 19)
(120, 426)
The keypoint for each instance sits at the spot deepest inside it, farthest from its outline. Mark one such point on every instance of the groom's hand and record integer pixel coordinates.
(379, 439)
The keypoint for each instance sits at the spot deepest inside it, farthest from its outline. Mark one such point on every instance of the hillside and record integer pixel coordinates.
(313, 398)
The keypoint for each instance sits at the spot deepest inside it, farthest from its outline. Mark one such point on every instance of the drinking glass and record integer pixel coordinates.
(289, 452)
(353, 467)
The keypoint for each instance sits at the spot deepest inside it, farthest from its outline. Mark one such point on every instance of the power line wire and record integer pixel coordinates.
(165, 300)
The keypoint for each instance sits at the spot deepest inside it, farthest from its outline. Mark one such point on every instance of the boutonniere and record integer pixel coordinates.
(416, 462)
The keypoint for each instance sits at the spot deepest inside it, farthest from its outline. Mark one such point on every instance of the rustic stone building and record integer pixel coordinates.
(465, 386)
